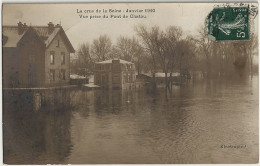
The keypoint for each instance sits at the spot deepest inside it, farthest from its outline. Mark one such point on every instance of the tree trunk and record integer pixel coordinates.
(171, 82)
(138, 68)
(251, 67)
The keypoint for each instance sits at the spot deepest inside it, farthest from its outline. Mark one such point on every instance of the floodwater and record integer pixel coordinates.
(202, 122)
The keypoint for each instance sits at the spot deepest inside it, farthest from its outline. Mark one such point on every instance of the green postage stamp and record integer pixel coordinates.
(228, 23)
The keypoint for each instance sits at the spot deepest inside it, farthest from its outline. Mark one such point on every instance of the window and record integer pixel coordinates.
(62, 58)
(116, 79)
(97, 78)
(116, 67)
(125, 78)
(30, 77)
(130, 78)
(52, 57)
(52, 75)
(97, 67)
(107, 66)
(103, 79)
(31, 61)
(63, 74)
(31, 58)
(58, 43)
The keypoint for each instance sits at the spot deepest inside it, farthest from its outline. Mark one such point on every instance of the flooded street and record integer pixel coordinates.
(194, 125)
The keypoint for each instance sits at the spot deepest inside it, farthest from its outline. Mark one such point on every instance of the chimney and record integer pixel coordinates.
(58, 25)
(25, 27)
(50, 27)
(115, 61)
(20, 28)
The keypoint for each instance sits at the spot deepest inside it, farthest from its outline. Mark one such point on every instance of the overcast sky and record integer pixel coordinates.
(189, 16)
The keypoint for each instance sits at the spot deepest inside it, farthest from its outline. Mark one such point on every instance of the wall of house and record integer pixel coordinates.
(31, 62)
(117, 76)
(128, 79)
(23, 66)
(58, 49)
(10, 67)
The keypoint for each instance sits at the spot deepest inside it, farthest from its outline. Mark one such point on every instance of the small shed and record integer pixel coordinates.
(78, 80)
(160, 77)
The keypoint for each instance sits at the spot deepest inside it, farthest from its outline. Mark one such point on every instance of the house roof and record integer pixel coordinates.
(42, 31)
(75, 76)
(162, 75)
(110, 61)
(10, 34)
(168, 74)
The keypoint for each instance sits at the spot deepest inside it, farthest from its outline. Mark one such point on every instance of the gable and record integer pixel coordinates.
(58, 44)
(43, 33)
(30, 35)
(48, 38)
(64, 38)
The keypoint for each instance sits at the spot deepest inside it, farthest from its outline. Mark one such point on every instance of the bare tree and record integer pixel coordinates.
(129, 49)
(186, 57)
(123, 48)
(251, 50)
(101, 48)
(173, 50)
(224, 58)
(83, 65)
(206, 49)
(161, 46)
(145, 36)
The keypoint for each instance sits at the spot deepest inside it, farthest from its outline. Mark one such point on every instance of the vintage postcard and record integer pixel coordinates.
(130, 83)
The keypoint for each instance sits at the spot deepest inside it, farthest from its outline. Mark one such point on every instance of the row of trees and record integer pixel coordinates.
(227, 59)
(168, 51)
(102, 49)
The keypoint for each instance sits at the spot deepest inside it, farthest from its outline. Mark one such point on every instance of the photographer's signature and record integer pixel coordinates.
(232, 146)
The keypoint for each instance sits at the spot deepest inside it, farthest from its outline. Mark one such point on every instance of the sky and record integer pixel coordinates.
(189, 16)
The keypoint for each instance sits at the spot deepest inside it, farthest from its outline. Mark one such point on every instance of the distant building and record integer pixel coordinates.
(78, 80)
(115, 74)
(159, 77)
(35, 56)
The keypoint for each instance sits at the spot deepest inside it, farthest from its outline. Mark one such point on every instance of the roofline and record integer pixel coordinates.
(9, 47)
(37, 26)
(111, 62)
(72, 48)
(13, 26)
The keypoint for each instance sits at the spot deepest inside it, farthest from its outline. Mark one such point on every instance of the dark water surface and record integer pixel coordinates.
(135, 126)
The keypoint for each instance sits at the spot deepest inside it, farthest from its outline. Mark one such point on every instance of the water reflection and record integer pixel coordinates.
(36, 131)
(139, 126)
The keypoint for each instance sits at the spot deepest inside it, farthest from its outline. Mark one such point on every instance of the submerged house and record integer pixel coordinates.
(160, 77)
(35, 56)
(115, 74)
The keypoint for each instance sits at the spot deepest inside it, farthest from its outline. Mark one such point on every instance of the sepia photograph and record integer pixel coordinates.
(130, 83)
